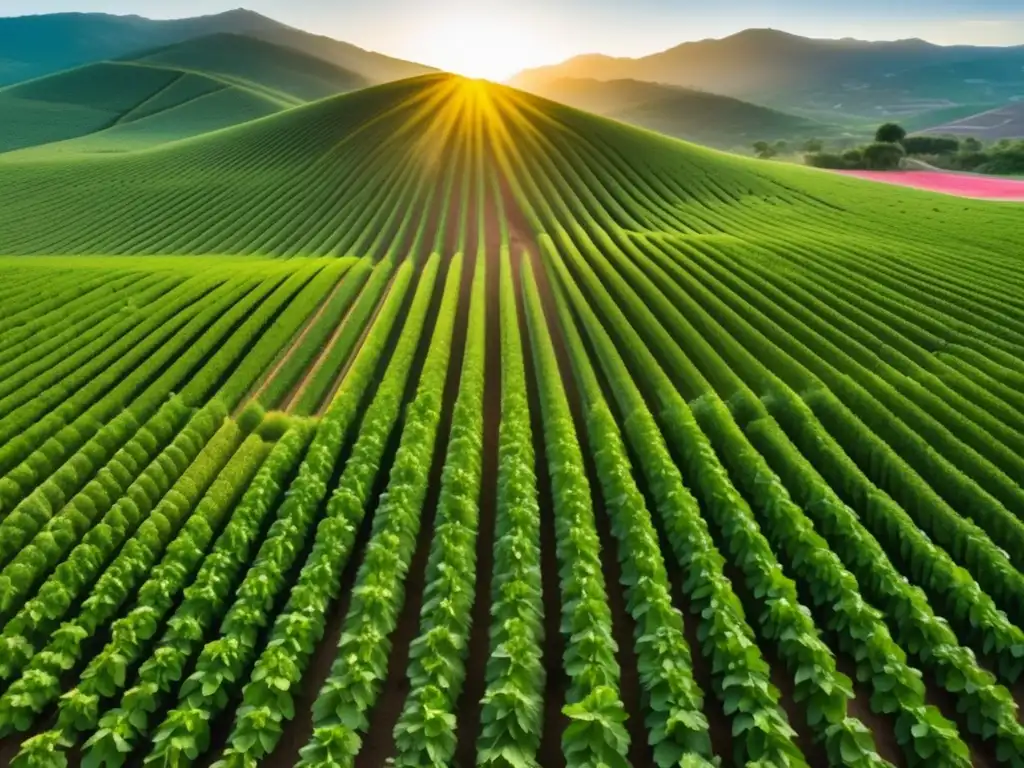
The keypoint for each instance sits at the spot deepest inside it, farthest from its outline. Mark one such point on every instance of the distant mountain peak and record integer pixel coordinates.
(762, 33)
(243, 13)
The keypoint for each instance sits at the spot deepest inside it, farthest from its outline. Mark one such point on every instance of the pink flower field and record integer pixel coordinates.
(959, 184)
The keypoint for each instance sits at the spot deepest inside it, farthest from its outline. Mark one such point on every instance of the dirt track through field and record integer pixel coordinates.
(292, 348)
(291, 400)
(333, 391)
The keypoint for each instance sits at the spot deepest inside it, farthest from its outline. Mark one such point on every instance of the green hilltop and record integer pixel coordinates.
(171, 93)
(347, 174)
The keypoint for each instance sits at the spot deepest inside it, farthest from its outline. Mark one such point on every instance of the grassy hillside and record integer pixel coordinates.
(279, 69)
(171, 93)
(843, 77)
(339, 158)
(371, 65)
(705, 118)
(442, 424)
(34, 46)
(43, 44)
(104, 98)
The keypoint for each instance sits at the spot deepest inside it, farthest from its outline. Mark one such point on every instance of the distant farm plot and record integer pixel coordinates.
(442, 425)
(1006, 122)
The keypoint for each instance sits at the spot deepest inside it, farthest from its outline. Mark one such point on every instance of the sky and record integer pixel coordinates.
(497, 38)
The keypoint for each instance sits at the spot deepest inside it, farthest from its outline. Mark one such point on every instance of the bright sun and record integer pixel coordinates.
(478, 46)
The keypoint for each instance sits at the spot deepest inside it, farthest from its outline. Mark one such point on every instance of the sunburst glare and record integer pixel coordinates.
(483, 46)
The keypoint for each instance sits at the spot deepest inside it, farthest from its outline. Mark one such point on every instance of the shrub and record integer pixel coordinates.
(881, 156)
(274, 426)
(930, 145)
(972, 161)
(1009, 162)
(827, 160)
(252, 417)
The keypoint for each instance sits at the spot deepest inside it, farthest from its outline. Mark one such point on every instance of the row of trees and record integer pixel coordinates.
(767, 150)
(892, 145)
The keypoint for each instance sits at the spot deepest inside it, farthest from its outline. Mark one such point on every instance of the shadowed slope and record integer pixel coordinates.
(166, 94)
(258, 63)
(694, 115)
(34, 46)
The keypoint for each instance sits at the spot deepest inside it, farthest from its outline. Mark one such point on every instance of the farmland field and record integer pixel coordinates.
(440, 424)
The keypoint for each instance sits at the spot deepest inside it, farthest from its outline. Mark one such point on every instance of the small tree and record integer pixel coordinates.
(764, 150)
(883, 156)
(781, 147)
(854, 158)
(826, 160)
(890, 133)
(813, 146)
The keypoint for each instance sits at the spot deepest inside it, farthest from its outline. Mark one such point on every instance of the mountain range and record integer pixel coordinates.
(835, 77)
(130, 82)
(699, 116)
(33, 46)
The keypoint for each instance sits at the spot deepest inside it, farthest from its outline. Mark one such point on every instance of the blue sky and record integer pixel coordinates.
(534, 32)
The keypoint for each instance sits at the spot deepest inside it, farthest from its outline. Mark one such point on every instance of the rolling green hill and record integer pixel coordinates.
(33, 46)
(442, 424)
(114, 98)
(300, 180)
(172, 93)
(706, 118)
(39, 45)
(255, 63)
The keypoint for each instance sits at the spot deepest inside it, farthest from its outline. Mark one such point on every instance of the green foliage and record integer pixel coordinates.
(930, 145)
(772, 403)
(511, 714)
(595, 734)
(268, 697)
(834, 162)
(425, 731)
(890, 133)
(250, 419)
(882, 156)
(25, 699)
(204, 600)
(340, 714)
(764, 150)
(275, 426)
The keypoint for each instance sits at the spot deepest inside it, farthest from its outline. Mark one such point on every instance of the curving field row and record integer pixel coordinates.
(592, 448)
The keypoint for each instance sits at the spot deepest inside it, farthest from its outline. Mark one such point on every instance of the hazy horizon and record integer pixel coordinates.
(499, 38)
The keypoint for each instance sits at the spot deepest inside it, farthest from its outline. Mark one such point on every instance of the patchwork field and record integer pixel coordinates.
(1003, 122)
(440, 424)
